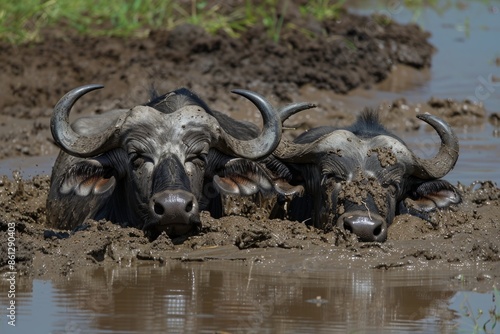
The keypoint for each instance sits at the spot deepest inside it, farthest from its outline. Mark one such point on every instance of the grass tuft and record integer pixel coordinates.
(481, 322)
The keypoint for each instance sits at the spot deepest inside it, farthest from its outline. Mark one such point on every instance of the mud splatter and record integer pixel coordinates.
(385, 155)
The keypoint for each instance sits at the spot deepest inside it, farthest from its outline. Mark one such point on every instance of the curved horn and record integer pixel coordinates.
(72, 142)
(270, 136)
(434, 168)
(445, 159)
(294, 108)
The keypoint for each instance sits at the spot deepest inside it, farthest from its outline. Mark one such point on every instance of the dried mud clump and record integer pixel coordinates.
(23, 201)
(458, 113)
(401, 116)
(357, 191)
(385, 155)
(494, 119)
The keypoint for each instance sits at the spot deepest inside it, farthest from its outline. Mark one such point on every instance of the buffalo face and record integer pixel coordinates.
(359, 178)
(150, 166)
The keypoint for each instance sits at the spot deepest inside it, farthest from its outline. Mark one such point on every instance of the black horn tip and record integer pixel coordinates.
(86, 88)
(258, 100)
(428, 117)
(294, 108)
(95, 86)
(441, 126)
(248, 94)
(66, 102)
(424, 116)
(303, 106)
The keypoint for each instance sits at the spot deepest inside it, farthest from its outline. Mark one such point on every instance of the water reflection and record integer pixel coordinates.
(236, 298)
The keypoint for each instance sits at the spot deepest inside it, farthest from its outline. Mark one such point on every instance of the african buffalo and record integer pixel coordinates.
(152, 166)
(360, 177)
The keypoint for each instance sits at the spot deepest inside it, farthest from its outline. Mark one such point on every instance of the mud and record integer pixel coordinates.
(337, 56)
(456, 113)
(465, 235)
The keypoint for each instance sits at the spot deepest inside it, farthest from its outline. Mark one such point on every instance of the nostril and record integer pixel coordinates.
(348, 224)
(171, 207)
(365, 227)
(189, 206)
(347, 227)
(159, 209)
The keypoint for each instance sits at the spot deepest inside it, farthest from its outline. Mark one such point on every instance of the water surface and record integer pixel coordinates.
(238, 297)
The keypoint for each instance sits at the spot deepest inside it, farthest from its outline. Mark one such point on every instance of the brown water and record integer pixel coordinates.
(235, 297)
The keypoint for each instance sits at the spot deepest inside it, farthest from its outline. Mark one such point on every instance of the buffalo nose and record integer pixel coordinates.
(365, 227)
(174, 207)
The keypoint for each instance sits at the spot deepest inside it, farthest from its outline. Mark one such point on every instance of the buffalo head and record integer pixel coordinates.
(360, 177)
(151, 166)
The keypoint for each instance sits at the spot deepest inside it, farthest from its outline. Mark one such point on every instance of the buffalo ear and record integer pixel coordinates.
(88, 177)
(432, 195)
(245, 177)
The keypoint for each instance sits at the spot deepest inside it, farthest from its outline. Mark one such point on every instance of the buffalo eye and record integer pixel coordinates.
(198, 159)
(332, 177)
(392, 188)
(137, 160)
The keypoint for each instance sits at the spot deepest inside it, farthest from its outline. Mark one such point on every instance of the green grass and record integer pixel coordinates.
(323, 9)
(22, 20)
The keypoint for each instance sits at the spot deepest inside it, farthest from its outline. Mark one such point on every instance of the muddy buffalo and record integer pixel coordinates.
(360, 177)
(152, 166)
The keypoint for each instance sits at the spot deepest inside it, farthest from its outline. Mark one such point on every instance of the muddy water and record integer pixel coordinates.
(28, 166)
(465, 66)
(235, 297)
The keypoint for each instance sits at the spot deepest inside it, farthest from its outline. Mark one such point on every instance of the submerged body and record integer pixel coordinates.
(358, 178)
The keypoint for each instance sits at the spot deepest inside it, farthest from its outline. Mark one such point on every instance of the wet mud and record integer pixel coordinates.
(341, 55)
(466, 235)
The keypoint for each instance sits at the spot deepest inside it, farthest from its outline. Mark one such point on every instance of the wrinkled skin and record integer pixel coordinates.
(122, 183)
(360, 177)
(151, 166)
